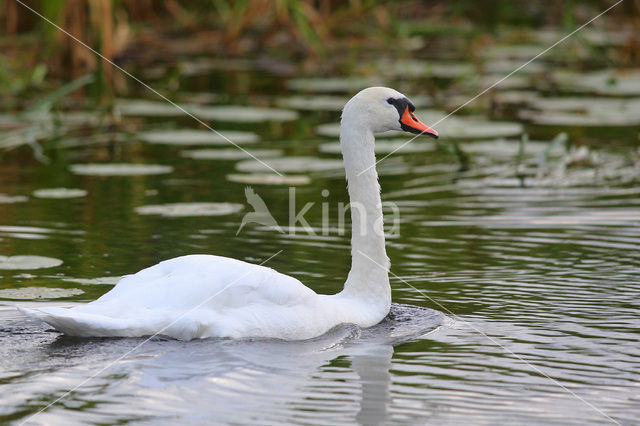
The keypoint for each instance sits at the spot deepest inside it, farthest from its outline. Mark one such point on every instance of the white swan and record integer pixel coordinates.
(200, 296)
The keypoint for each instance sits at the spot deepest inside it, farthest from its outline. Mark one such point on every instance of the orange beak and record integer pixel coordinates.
(410, 123)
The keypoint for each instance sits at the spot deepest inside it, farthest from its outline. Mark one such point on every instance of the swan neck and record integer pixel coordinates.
(369, 277)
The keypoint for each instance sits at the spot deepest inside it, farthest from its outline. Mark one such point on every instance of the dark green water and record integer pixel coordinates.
(536, 267)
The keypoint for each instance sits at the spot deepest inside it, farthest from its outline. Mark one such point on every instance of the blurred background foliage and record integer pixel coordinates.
(319, 36)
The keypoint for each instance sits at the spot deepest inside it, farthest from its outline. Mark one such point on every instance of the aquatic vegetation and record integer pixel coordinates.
(583, 111)
(332, 84)
(197, 137)
(616, 82)
(436, 69)
(28, 262)
(59, 193)
(227, 113)
(268, 179)
(94, 281)
(35, 293)
(229, 154)
(10, 199)
(119, 169)
(190, 209)
(290, 165)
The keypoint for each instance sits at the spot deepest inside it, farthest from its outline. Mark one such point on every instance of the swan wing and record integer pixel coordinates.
(191, 296)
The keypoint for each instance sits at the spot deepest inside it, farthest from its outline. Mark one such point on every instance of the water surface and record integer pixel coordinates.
(530, 255)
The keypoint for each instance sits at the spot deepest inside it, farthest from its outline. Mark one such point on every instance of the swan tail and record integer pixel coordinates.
(78, 323)
(83, 324)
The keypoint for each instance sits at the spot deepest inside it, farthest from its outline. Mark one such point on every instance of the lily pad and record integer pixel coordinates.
(244, 114)
(197, 137)
(10, 199)
(290, 164)
(561, 118)
(59, 193)
(119, 169)
(28, 229)
(332, 84)
(200, 66)
(584, 111)
(146, 108)
(229, 113)
(385, 146)
(28, 262)
(30, 293)
(513, 82)
(422, 68)
(229, 154)
(509, 148)
(512, 51)
(474, 128)
(95, 281)
(314, 102)
(583, 103)
(610, 83)
(515, 97)
(269, 179)
(594, 36)
(190, 209)
(506, 66)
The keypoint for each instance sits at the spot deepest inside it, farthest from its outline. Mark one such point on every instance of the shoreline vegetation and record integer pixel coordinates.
(290, 37)
(210, 56)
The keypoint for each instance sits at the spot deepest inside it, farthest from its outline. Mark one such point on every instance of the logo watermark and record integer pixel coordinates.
(333, 218)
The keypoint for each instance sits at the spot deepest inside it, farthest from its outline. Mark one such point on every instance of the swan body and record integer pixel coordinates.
(199, 296)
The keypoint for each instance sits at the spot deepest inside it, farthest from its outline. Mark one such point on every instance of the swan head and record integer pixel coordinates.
(382, 109)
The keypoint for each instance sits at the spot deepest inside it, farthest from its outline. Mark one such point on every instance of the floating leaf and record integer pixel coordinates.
(145, 108)
(119, 169)
(25, 232)
(422, 68)
(229, 154)
(244, 114)
(198, 137)
(10, 199)
(290, 164)
(59, 193)
(229, 113)
(510, 148)
(190, 209)
(30, 293)
(200, 66)
(314, 102)
(606, 82)
(94, 281)
(28, 262)
(512, 51)
(505, 66)
(269, 179)
(498, 82)
(332, 84)
(584, 111)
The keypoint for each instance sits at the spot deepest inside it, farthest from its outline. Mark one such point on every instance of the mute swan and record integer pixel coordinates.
(199, 296)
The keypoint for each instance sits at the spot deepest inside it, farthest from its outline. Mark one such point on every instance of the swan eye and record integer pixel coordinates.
(390, 101)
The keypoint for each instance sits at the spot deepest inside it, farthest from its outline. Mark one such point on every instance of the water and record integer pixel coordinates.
(528, 271)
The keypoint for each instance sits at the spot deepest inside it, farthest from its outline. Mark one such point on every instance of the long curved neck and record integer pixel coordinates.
(369, 276)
